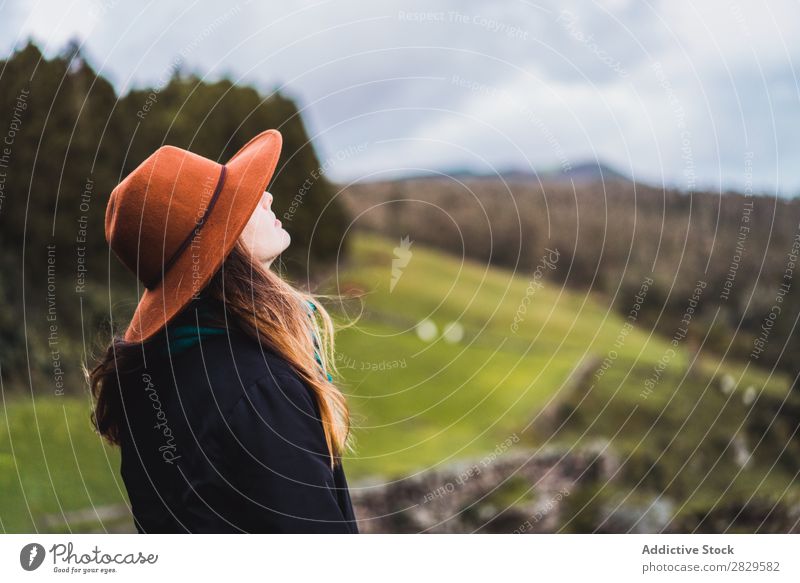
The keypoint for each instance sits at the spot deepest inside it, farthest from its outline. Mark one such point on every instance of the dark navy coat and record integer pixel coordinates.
(224, 436)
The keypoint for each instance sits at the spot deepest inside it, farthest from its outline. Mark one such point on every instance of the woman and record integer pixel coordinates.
(218, 393)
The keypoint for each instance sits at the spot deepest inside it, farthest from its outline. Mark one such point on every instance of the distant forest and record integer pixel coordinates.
(67, 140)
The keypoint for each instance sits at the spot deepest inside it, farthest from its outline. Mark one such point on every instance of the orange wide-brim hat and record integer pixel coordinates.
(177, 216)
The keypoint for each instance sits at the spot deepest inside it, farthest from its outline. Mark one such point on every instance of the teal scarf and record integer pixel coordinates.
(316, 342)
(185, 332)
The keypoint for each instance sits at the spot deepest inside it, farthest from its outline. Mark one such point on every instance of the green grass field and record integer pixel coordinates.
(419, 403)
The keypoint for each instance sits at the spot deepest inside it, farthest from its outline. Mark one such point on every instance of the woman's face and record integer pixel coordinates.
(263, 235)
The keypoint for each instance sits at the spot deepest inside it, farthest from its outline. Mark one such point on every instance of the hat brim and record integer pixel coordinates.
(249, 172)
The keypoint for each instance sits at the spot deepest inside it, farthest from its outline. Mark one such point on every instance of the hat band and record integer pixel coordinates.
(192, 234)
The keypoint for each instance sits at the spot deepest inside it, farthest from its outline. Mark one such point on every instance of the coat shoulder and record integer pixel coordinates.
(223, 367)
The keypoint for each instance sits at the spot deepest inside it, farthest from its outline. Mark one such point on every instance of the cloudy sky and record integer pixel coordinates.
(688, 94)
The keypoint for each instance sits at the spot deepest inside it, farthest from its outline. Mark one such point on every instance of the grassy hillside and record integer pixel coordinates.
(461, 398)
(418, 403)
